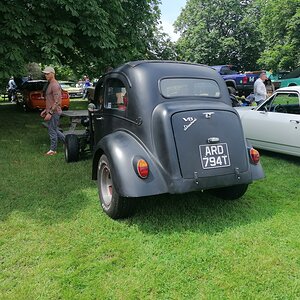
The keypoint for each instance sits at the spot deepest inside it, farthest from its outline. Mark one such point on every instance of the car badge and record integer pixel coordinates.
(191, 121)
(208, 114)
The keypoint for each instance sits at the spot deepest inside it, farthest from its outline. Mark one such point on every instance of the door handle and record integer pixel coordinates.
(100, 118)
(295, 121)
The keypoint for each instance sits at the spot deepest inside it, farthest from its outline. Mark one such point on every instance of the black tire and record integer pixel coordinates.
(112, 203)
(231, 192)
(71, 148)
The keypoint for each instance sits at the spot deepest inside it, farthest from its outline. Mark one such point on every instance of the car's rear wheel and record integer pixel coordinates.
(71, 148)
(231, 192)
(112, 203)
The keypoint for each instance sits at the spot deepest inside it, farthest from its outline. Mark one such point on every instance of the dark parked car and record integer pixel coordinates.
(166, 127)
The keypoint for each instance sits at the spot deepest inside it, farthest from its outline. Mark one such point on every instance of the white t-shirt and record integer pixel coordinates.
(260, 91)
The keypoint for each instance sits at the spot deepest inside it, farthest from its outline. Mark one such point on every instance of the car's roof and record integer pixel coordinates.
(295, 88)
(293, 74)
(158, 64)
(156, 69)
(144, 76)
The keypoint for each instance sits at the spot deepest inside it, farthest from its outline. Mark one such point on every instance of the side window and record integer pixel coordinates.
(116, 95)
(282, 103)
(293, 99)
(99, 94)
(267, 105)
(225, 71)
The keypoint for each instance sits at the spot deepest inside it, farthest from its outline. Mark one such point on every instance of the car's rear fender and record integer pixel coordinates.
(122, 149)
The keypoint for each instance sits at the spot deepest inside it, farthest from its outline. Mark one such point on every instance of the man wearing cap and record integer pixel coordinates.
(52, 111)
(260, 91)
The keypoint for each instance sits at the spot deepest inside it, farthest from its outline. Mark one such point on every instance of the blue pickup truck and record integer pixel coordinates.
(238, 83)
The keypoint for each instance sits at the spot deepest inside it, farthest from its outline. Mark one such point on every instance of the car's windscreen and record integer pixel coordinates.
(189, 87)
(67, 85)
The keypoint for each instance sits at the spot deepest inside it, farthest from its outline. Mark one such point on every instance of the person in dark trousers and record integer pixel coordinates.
(52, 112)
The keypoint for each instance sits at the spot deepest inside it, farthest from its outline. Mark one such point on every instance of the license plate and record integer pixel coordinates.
(214, 156)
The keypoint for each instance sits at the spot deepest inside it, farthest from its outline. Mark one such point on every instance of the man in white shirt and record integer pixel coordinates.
(12, 89)
(260, 91)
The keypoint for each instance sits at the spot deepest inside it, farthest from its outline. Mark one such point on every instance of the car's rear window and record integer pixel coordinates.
(189, 87)
(33, 85)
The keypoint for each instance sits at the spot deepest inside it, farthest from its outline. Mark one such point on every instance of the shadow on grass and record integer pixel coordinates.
(280, 156)
(50, 192)
(199, 212)
(45, 188)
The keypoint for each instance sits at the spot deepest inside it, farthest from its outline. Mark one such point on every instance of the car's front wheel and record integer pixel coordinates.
(112, 203)
(231, 192)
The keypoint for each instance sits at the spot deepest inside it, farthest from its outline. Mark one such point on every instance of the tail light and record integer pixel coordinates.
(254, 155)
(142, 168)
(65, 95)
(36, 96)
(245, 80)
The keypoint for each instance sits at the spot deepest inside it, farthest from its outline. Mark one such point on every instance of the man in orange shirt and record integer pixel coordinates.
(52, 112)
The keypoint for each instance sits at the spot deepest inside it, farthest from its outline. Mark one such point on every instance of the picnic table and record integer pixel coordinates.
(75, 117)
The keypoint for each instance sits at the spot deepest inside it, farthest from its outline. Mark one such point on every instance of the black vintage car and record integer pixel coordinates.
(166, 127)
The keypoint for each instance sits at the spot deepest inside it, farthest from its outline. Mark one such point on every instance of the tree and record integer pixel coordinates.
(87, 36)
(219, 32)
(280, 28)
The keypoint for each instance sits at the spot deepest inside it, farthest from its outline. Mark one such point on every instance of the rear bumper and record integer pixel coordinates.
(206, 183)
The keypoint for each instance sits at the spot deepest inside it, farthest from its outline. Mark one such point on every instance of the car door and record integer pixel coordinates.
(113, 112)
(97, 113)
(275, 125)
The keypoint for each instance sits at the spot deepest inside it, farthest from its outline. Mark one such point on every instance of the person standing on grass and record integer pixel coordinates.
(52, 112)
(86, 84)
(11, 89)
(260, 91)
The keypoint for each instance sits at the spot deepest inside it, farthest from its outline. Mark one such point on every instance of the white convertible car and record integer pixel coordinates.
(274, 125)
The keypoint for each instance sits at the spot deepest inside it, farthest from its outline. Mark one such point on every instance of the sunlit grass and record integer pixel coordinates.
(56, 243)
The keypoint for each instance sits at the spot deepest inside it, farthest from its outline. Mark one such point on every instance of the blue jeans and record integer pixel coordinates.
(54, 133)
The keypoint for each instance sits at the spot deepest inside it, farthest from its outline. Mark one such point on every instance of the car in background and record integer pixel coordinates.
(274, 125)
(160, 127)
(32, 96)
(238, 83)
(289, 79)
(73, 90)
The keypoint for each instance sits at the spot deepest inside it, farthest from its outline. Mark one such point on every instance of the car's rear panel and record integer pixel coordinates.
(210, 149)
(209, 143)
(36, 100)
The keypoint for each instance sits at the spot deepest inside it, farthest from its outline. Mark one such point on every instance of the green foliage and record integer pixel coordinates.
(280, 27)
(56, 243)
(87, 36)
(219, 32)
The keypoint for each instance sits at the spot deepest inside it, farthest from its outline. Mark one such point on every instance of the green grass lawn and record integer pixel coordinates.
(56, 243)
